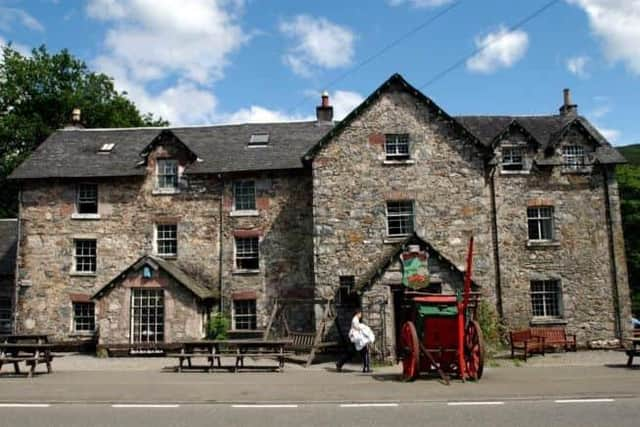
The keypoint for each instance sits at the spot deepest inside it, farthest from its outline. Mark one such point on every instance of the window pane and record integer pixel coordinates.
(84, 317)
(167, 174)
(148, 315)
(540, 223)
(399, 217)
(397, 146)
(573, 157)
(245, 314)
(247, 253)
(512, 158)
(244, 195)
(545, 298)
(167, 239)
(87, 199)
(85, 256)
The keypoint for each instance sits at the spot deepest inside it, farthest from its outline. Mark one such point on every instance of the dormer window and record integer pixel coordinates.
(167, 175)
(259, 140)
(512, 158)
(573, 157)
(396, 146)
(106, 148)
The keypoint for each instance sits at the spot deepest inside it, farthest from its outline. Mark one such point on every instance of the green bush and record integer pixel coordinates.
(219, 325)
(493, 330)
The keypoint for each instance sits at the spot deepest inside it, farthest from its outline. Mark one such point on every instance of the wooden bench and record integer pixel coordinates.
(526, 342)
(555, 337)
(211, 359)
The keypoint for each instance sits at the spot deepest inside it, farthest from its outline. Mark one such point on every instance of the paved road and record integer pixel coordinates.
(618, 412)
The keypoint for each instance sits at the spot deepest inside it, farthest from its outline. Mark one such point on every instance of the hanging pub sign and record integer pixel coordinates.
(415, 267)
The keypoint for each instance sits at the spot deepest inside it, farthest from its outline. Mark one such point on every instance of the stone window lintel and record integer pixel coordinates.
(547, 321)
(253, 212)
(76, 215)
(540, 244)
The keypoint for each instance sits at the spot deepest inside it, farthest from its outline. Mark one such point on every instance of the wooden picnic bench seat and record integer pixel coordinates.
(211, 359)
(555, 336)
(526, 342)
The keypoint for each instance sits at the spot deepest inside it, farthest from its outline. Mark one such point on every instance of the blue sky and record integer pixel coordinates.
(210, 61)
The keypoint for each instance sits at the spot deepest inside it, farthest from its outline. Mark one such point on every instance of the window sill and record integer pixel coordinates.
(547, 321)
(84, 216)
(165, 192)
(535, 244)
(246, 272)
(82, 274)
(391, 240)
(244, 213)
(398, 162)
(516, 173)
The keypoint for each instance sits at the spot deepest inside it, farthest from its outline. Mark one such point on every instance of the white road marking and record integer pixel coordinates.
(143, 406)
(584, 400)
(24, 405)
(368, 405)
(264, 406)
(473, 403)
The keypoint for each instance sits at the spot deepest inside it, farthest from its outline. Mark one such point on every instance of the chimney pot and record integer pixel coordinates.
(324, 111)
(568, 108)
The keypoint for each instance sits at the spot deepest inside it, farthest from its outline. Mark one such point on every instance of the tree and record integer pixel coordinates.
(629, 184)
(38, 93)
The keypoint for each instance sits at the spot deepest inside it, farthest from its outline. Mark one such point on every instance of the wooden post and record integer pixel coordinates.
(319, 333)
(274, 311)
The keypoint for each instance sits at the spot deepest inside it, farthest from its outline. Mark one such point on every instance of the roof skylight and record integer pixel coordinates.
(259, 139)
(106, 148)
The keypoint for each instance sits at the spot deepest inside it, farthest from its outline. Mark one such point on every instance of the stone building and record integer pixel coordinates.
(8, 247)
(135, 235)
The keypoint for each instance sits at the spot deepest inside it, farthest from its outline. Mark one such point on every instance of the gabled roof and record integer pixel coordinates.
(174, 271)
(73, 153)
(392, 254)
(511, 127)
(8, 245)
(395, 81)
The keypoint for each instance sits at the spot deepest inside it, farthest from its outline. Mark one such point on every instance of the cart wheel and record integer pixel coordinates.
(474, 350)
(410, 351)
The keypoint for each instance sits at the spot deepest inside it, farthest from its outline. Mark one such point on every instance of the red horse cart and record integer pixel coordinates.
(440, 333)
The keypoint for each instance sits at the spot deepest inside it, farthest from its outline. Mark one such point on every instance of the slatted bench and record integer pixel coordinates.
(526, 342)
(279, 356)
(211, 360)
(555, 337)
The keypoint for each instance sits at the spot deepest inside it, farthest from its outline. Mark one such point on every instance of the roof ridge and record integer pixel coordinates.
(218, 125)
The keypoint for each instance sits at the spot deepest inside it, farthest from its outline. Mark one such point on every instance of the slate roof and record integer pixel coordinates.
(173, 270)
(74, 153)
(8, 245)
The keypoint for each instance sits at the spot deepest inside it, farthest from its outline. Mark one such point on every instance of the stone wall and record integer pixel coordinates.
(352, 183)
(184, 314)
(579, 254)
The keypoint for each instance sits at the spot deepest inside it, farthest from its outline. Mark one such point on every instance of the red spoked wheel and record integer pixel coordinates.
(474, 350)
(410, 351)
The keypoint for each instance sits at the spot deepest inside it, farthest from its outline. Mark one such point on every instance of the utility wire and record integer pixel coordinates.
(388, 47)
(465, 58)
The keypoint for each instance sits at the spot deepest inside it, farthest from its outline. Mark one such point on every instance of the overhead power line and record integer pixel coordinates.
(511, 29)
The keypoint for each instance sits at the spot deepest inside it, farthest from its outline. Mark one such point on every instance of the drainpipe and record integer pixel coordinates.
(612, 255)
(221, 308)
(16, 277)
(496, 249)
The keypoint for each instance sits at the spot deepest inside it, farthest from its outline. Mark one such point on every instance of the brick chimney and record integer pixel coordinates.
(568, 109)
(324, 111)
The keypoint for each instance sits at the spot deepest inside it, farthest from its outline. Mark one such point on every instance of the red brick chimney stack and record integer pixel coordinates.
(324, 111)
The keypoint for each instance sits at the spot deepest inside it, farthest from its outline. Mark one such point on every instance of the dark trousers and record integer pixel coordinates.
(351, 351)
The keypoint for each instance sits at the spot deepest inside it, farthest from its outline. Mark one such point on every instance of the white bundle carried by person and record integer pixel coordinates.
(360, 334)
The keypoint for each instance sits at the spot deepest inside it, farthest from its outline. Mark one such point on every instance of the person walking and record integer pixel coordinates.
(360, 336)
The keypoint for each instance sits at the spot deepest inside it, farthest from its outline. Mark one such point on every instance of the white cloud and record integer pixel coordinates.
(499, 49)
(318, 43)
(20, 48)
(419, 3)
(617, 24)
(343, 102)
(577, 66)
(612, 135)
(9, 16)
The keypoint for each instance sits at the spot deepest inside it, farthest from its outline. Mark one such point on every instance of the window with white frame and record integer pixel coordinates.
(572, 157)
(512, 158)
(167, 174)
(87, 199)
(540, 223)
(399, 217)
(244, 314)
(167, 239)
(247, 253)
(546, 298)
(396, 146)
(84, 317)
(5, 315)
(85, 255)
(147, 315)
(244, 195)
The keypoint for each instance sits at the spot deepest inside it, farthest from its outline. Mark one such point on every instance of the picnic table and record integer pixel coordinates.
(214, 350)
(32, 353)
(633, 349)
(27, 338)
